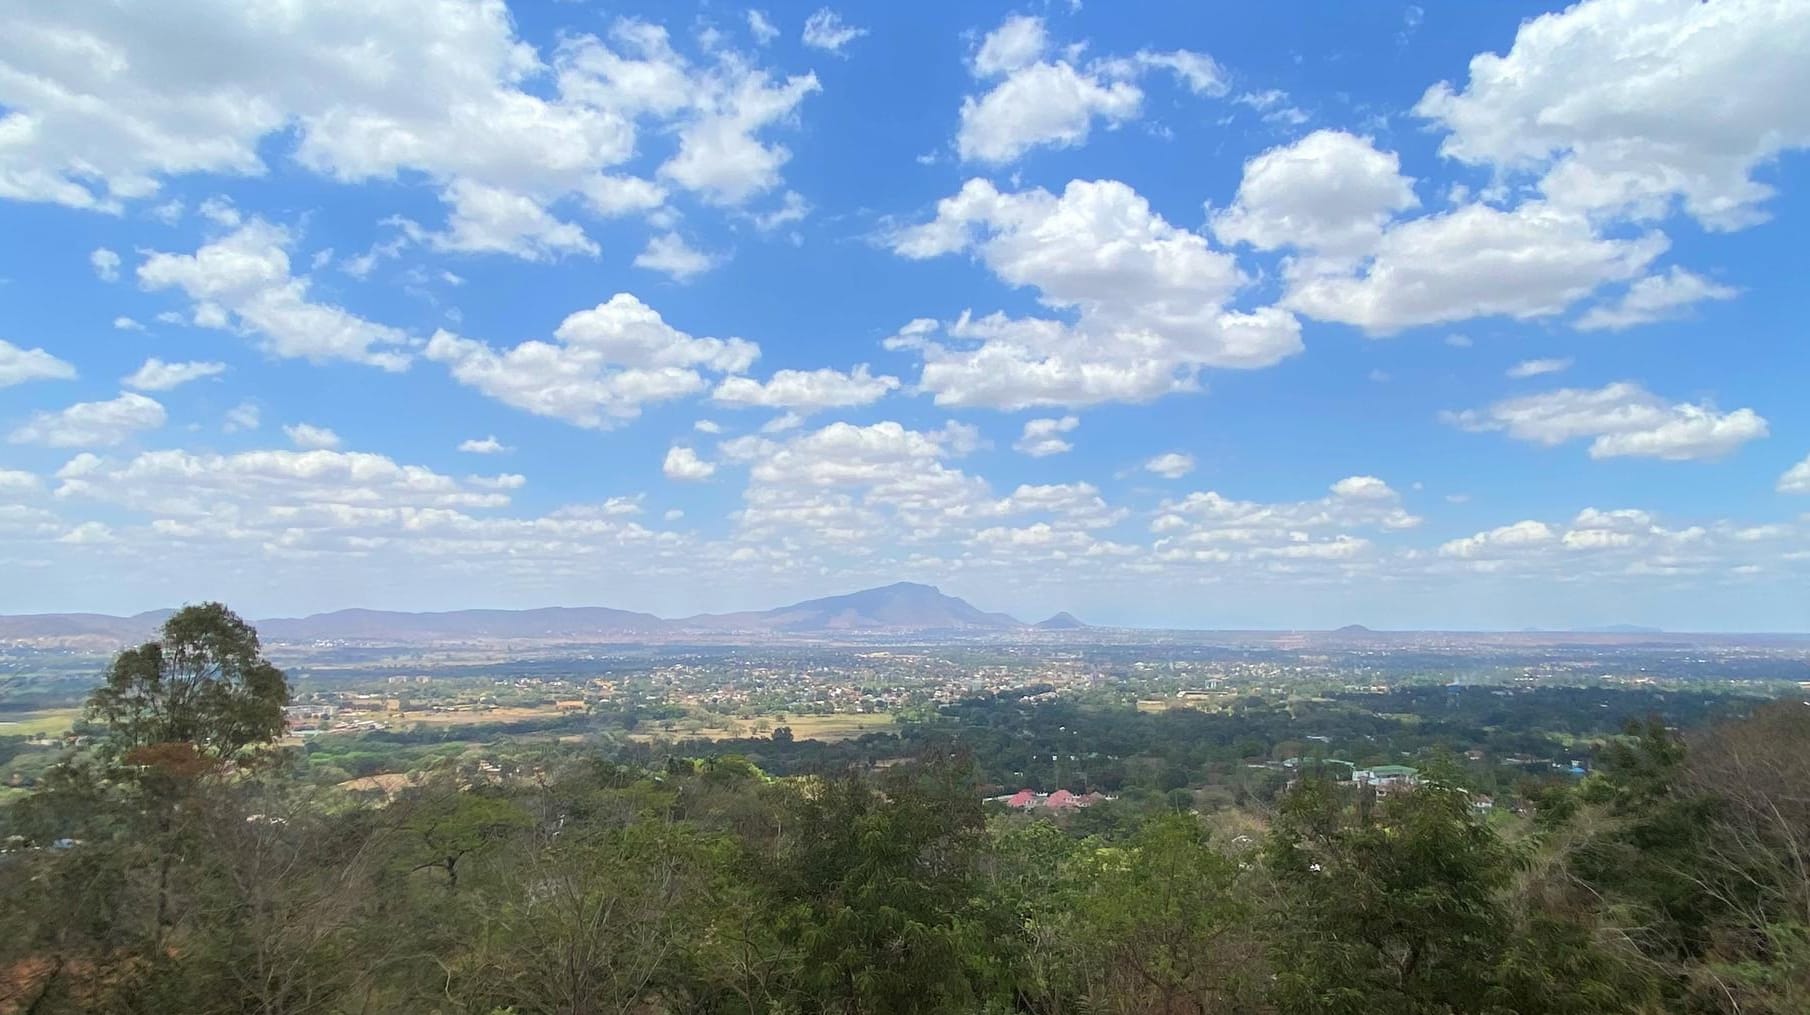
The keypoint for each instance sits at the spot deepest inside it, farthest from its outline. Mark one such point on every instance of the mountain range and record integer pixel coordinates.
(900, 607)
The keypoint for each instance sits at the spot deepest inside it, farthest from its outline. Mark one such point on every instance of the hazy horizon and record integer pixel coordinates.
(1605, 627)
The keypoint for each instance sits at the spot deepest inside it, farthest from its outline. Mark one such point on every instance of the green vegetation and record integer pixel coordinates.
(187, 861)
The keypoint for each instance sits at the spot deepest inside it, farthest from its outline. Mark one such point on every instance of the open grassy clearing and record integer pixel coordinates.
(804, 727)
(50, 721)
(504, 713)
(388, 783)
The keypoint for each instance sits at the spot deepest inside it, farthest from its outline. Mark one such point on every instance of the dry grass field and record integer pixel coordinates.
(804, 727)
(426, 717)
(388, 783)
(51, 721)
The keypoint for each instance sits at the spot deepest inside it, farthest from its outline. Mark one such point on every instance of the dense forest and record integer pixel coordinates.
(183, 865)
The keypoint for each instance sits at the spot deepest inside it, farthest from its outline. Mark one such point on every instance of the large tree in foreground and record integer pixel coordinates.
(204, 683)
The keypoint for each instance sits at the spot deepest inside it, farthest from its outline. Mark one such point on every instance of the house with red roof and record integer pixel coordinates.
(1022, 800)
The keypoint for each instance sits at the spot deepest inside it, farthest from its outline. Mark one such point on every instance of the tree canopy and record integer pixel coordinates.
(203, 682)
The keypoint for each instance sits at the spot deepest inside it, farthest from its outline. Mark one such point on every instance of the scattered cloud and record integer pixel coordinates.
(484, 446)
(1019, 41)
(1043, 97)
(1539, 367)
(156, 375)
(500, 131)
(1330, 194)
(1043, 437)
(309, 437)
(1036, 102)
(1507, 537)
(763, 30)
(806, 390)
(1273, 105)
(1289, 538)
(92, 424)
(105, 263)
(669, 253)
(242, 281)
(781, 423)
(683, 463)
(604, 365)
(826, 30)
(244, 416)
(1797, 478)
(20, 365)
(1621, 107)
(323, 487)
(14, 482)
(1535, 261)
(1655, 298)
(1198, 72)
(1171, 465)
(1620, 420)
(486, 219)
(1596, 544)
(1149, 301)
(88, 534)
(792, 208)
(721, 156)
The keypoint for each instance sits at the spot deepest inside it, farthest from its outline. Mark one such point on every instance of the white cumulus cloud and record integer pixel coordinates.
(92, 424)
(1171, 464)
(1041, 98)
(1797, 478)
(243, 281)
(1621, 419)
(1148, 299)
(1534, 261)
(439, 93)
(683, 463)
(669, 253)
(1043, 437)
(1329, 193)
(1043, 104)
(1622, 106)
(603, 365)
(106, 264)
(1655, 298)
(806, 390)
(19, 365)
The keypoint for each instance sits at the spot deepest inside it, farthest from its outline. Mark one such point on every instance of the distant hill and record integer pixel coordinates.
(79, 628)
(1354, 629)
(900, 606)
(904, 606)
(1064, 621)
(552, 623)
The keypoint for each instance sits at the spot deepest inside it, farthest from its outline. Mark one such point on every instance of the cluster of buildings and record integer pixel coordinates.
(1386, 779)
(1061, 800)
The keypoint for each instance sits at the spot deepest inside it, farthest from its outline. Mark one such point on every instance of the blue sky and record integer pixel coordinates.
(1476, 316)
